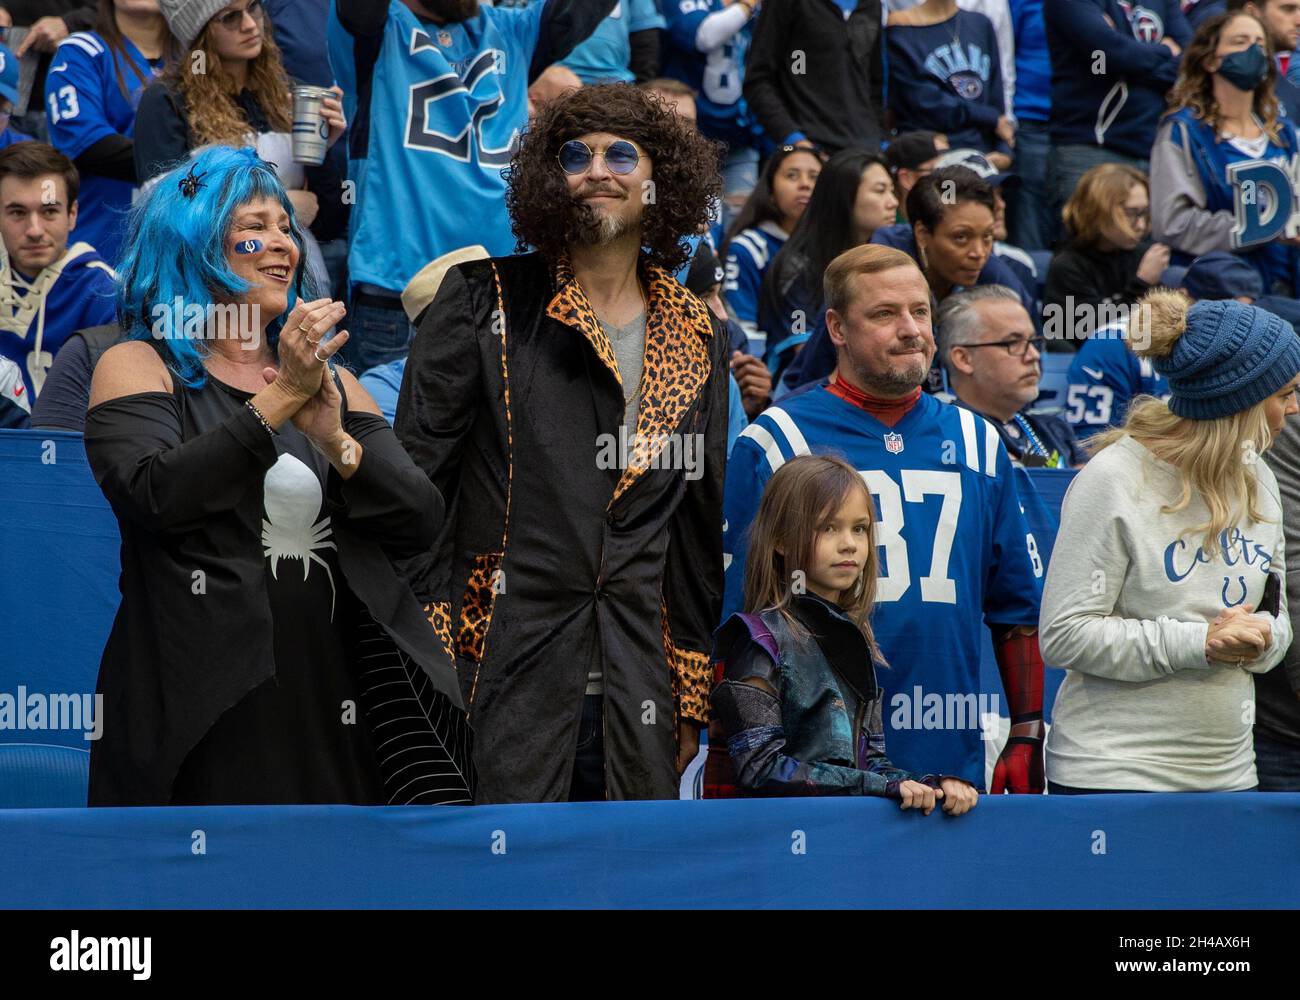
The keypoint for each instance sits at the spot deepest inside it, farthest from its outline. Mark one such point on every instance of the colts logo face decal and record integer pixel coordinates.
(248, 246)
(1146, 24)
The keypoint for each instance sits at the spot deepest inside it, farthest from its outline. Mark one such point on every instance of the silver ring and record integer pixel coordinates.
(316, 354)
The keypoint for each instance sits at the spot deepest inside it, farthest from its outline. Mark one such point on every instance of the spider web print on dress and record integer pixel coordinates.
(421, 740)
(291, 500)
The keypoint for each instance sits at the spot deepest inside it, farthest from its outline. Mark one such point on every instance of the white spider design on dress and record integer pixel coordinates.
(291, 500)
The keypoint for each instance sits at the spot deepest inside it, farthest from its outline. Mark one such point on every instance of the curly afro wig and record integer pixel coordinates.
(686, 171)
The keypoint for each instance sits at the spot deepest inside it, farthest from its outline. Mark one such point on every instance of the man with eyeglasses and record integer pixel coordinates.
(571, 406)
(436, 94)
(992, 354)
(956, 553)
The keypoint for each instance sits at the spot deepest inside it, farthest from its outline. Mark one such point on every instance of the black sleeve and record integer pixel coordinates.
(112, 156)
(766, 61)
(82, 18)
(362, 17)
(66, 392)
(645, 54)
(388, 498)
(565, 25)
(326, 183)
(162, 134)
(160, 481)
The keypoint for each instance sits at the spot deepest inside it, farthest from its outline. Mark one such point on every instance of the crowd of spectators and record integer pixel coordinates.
(896, 218)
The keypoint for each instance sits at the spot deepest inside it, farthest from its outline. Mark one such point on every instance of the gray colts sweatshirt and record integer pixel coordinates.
(1127, 602)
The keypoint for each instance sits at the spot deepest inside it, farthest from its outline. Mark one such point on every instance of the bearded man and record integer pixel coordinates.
(571, 406)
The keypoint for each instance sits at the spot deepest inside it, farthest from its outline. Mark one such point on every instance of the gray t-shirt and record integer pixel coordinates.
(628, 342)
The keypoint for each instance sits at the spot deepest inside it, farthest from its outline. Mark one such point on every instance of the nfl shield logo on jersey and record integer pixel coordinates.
(893, 443)
(444, 39)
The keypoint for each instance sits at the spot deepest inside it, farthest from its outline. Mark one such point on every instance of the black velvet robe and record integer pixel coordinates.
(550, 564)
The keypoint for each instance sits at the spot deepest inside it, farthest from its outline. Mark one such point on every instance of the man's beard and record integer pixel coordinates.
(597, 228)
(451, 11)
(890, 381)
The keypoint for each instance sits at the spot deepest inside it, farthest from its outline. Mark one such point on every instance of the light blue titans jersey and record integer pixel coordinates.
(1103, 379)
(717, 77)
(445, 106)
(748, 256)
(84, 104)
(606, 55)
(954, 549)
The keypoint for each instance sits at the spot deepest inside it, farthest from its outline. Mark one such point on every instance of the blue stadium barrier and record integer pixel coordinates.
(1092, 852)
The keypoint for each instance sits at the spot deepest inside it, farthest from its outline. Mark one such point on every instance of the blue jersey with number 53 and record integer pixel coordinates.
(444, 106)
(1103, 379)
(954, 549)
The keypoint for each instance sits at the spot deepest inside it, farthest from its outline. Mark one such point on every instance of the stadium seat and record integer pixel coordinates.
(41, 776)
(1053, 386)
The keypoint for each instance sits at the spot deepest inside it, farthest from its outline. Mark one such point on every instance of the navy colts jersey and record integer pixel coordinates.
(954, 547)
(1104, 378)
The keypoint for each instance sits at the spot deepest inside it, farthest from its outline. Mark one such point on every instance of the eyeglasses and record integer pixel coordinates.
(576, 156)
(1017, 347)
(231, 20)
(1137, 216)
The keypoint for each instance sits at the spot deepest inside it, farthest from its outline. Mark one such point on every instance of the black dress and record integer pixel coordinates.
(250, 660)
(299, 737)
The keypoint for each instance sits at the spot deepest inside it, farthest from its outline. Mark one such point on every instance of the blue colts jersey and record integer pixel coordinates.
(1103, 379)
(748, 256)
(84, 104)
(717, 77)
(444, 109)
(954, 548)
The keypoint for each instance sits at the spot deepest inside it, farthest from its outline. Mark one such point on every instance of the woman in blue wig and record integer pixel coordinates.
(260, 497)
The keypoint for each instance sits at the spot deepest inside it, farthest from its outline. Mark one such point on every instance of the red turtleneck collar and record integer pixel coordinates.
(887, 411)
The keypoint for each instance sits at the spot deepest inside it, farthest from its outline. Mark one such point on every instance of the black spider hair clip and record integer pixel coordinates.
(190, 183)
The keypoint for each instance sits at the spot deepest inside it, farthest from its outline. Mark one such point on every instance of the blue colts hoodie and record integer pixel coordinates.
(1110, 73)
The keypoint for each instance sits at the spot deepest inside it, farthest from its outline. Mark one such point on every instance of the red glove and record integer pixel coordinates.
(1019, 769)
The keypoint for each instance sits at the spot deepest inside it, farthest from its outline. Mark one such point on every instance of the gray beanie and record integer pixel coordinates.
(186, 18)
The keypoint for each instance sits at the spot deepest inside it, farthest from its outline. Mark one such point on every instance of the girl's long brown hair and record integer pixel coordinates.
(1195, 85)
(107, 29)
(209, 96)
(802, 495)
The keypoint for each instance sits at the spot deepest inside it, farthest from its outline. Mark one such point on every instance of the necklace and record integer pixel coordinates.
(1034, 440)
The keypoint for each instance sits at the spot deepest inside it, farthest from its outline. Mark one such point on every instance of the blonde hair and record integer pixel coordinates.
(1212, 456)
(209, 97)
(869, 258)
(803, 494)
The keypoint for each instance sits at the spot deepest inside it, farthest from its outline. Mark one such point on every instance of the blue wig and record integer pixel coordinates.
(176, 248)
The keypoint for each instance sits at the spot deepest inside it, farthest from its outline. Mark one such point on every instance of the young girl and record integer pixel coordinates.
(761, 229)
(797, 708)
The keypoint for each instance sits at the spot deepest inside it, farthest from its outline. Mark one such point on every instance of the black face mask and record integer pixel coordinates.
(1246, 69)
